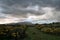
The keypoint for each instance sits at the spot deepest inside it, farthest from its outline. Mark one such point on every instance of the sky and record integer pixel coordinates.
(35, 11)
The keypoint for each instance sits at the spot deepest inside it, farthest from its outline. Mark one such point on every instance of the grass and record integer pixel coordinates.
(35, 34)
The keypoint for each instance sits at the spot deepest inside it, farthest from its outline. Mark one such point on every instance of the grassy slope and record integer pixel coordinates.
(34, 34)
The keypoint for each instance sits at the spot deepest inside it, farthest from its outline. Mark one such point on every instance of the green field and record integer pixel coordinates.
(35, 34)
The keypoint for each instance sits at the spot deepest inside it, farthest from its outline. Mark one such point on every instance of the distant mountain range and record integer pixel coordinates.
(19, 23)
(27, 23)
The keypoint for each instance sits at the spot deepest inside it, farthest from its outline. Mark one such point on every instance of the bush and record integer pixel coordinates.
(12, 32)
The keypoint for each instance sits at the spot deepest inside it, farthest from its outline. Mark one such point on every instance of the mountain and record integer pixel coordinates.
(19, 23)
(28, 23)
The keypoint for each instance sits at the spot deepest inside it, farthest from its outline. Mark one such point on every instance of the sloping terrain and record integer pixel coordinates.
(35, 34)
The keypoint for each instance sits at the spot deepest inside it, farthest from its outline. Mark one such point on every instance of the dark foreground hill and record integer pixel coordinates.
(27, 31)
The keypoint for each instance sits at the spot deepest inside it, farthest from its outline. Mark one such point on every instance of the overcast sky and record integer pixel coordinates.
(36, 11)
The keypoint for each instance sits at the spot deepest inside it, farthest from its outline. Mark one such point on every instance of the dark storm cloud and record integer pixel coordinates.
(34, 2)
(23, 7)
(25, 3)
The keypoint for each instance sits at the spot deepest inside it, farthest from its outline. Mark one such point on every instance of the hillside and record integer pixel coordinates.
(35, 34)
(17, 31)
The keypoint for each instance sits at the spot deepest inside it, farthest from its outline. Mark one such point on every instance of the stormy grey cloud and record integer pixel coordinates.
(30, 9)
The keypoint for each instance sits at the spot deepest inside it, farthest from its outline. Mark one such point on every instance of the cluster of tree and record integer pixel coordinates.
(52, 28)
(15, 32)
